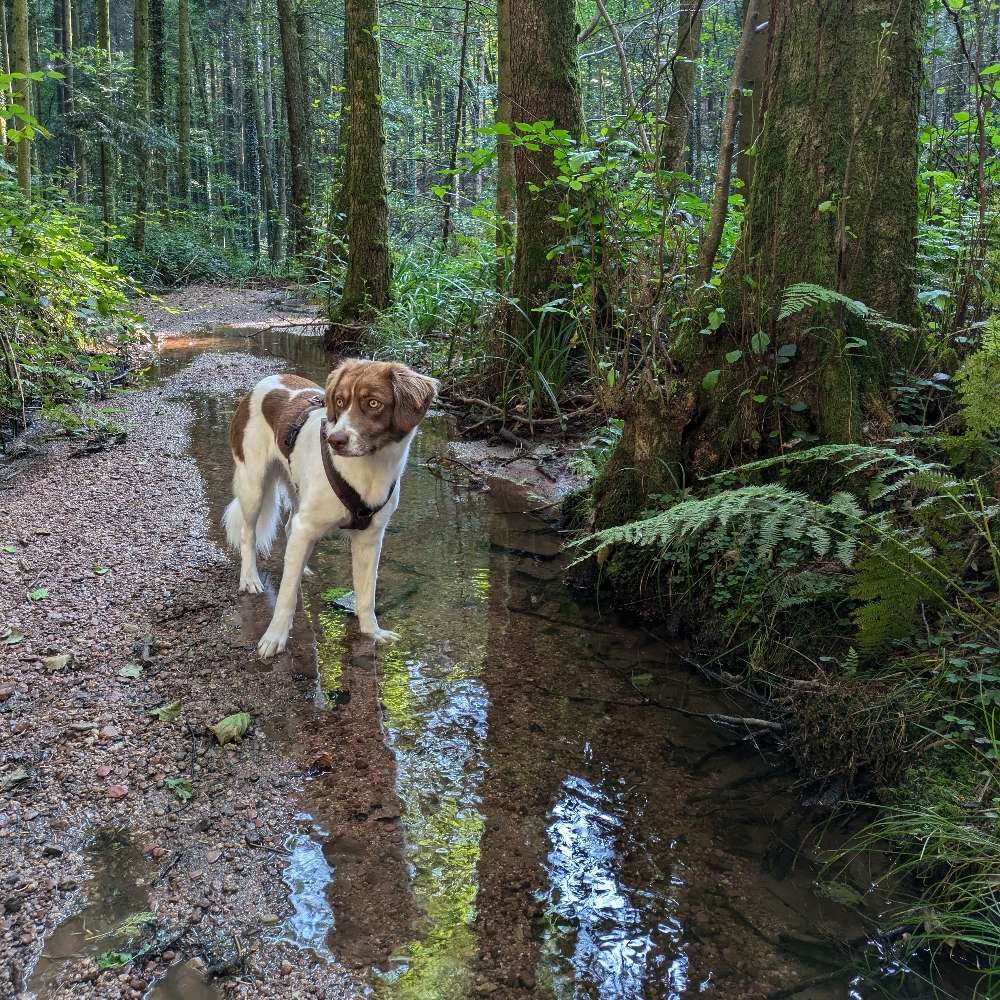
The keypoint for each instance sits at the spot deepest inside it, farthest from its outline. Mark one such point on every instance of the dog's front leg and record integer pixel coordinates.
(366, 547)
(297, 550)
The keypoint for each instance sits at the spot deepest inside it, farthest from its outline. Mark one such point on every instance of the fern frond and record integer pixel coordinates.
(977, 384)
(796, 590)
(771, 514)
(797, 298)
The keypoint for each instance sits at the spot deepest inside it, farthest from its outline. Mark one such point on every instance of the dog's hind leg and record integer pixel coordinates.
(250, 495)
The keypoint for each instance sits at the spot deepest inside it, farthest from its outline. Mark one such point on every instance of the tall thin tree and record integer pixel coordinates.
(140, 71)
(367, 285)
(22, 91)
(296, 114)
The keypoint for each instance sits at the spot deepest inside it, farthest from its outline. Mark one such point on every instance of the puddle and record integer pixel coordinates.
(494, 812)
(118, 891)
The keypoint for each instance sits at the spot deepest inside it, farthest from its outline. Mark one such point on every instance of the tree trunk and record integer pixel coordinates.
(5, 89)
(545, 86)
(506, 185)
(452, 198)
(833, 203)
(677, 119)
(22, 92)
(106, 155)
(157, 42)
(184, 102)
(367, 285)
(296, 114)
(140, 65)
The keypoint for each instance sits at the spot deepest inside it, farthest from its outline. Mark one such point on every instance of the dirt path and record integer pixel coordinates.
(106, 559)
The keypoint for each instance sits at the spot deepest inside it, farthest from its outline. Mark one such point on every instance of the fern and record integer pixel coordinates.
(798, 298)
(796, 590)
(771, 514)
(893, 583)
(977, 384)
(889, 470)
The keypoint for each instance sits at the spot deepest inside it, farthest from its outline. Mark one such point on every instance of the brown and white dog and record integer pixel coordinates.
(335, 460)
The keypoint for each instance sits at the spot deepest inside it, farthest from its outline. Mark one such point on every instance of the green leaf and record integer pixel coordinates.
(131, 670)
(39, 594)
(167, 713)
(759, 342)
(99, 570)
(113, 959)
(733, 356)
(231, 729)
(181, 787)
(11, 637)
(716, 318)
(711, 379)
(8, 548)
(787, 350)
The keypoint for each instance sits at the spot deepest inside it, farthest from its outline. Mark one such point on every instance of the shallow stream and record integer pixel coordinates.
(524, 818)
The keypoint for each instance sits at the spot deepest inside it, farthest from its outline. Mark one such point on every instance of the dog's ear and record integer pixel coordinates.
(413, 394)
(348, 364)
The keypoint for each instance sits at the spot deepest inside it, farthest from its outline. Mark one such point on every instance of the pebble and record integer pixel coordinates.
(117, 791)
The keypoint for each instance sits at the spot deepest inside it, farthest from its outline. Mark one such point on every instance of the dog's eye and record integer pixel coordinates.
(340, 402)
(374, 404)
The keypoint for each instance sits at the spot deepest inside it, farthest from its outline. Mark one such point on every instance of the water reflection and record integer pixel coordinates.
(598, 928)
(307, 877)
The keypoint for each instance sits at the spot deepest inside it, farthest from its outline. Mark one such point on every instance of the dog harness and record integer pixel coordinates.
(361, 513)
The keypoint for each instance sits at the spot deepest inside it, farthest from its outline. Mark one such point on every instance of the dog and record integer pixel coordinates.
(334, 459)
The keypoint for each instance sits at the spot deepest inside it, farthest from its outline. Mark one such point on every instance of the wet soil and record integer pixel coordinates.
(521, 798)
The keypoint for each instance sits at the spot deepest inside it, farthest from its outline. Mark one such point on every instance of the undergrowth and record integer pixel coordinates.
(65, 323)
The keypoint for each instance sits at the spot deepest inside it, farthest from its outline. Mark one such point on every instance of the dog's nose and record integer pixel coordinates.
(337, 439)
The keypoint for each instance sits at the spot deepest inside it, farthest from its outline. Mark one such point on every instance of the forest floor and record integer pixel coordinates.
(510, 725)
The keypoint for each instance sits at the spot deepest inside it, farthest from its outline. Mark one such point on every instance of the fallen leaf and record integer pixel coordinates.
(323, 761)
(642, 680)
(38, 594)
(10, 779)
(83, 727)
(231, 728)
(181, 787)
(11, 637)
(167, 713)
(58, 662)
(99, 570)
(113, 959)
(132, 670)
(212, 856)
(8, 548)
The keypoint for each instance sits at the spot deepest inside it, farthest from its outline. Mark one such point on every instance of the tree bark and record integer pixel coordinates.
(296, 115)
(506, 184)
(140, 66)
(184, 102)
(22, 91)
(367, 285)
(677, 119)
(157, 43)
(457, 134)
(5, 89)
(727, 143)
(106, 155)
(545, 86)
(833, 203)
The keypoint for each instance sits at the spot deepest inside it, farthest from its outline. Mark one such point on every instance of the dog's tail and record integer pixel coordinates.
(275, 499)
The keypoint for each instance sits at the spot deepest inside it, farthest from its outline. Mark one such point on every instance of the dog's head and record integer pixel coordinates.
(370, 404)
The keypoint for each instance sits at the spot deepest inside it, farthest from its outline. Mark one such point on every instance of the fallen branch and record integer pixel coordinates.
(516, 417)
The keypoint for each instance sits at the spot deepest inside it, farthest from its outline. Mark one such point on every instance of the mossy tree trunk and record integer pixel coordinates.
(545, 86)
(140, 81)
(296, 115)
(184, 102)
(367, 285)
(832, 203)
(22, 91)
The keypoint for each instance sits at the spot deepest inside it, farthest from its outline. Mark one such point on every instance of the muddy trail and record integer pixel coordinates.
(524, 797)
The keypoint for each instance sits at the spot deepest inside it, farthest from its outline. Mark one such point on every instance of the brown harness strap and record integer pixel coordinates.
(293, 432)
(361, 513)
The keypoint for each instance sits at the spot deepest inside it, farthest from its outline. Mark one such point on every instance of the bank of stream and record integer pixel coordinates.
(524, 797)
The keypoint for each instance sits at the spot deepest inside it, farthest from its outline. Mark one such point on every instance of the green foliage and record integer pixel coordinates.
(979, 384)
(893, 585)
(803, 296)
(771, 517)
(593, 454)
(65, 323)
(180, 252)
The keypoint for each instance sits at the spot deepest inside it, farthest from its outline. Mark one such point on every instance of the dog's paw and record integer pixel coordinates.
(381, 635)
(251, 585)
(272, 642)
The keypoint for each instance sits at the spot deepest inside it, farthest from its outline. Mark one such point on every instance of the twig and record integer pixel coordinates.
(264, 847)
